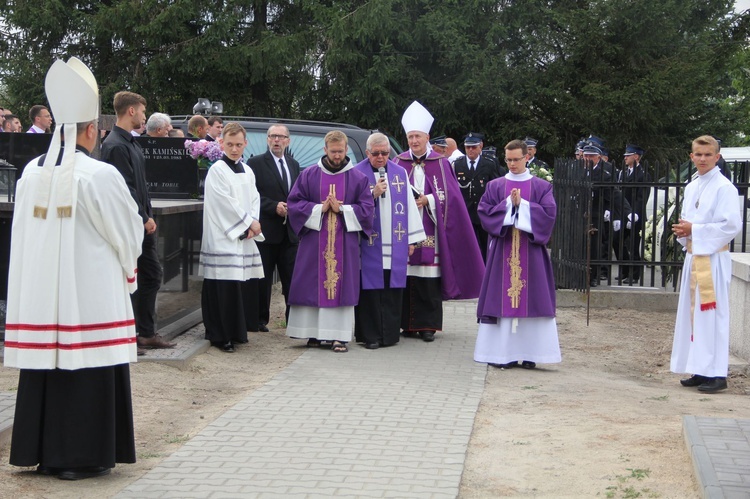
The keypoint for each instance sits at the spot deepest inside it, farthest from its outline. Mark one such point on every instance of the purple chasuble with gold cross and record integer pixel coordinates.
(326, 271)
(372, 248)
(518, 281)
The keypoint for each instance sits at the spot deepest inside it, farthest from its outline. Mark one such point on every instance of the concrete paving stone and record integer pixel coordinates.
(730, 468)
(730, 492)
(321, 493)
(738, 446)
(731, 454)
(728, 477)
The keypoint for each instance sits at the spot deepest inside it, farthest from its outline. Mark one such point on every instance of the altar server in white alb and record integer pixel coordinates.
(230, 260)
(75, 243)
(709, 221)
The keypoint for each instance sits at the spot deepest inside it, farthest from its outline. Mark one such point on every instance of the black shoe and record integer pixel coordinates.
(47, 470)
(527, 364)
(509, 365)
(263, 328)
(83, 473)
(694, 380)
(372, 346)
(713, 385)
(427, 336)
(409, 334)
(227, 347)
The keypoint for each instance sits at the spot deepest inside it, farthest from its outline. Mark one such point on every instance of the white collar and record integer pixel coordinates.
(519, 177)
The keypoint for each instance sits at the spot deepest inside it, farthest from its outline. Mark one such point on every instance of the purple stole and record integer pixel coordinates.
(331, 244)
(515, 291)
(372, 248)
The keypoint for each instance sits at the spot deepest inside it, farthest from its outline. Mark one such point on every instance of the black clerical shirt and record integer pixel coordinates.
(122, 151)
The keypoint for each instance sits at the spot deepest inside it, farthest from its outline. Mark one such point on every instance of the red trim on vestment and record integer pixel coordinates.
(131, 280)
(708, 306)
(71, 346)
(69, 329)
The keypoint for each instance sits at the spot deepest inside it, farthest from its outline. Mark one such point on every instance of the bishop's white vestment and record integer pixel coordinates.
(70, 278)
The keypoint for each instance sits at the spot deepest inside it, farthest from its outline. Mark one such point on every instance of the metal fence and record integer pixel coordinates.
(586, 250)
(7, 181)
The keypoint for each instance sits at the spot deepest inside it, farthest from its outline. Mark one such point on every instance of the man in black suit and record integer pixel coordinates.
(636, 196)
(608, 210)
(473, 172)
(275, 174)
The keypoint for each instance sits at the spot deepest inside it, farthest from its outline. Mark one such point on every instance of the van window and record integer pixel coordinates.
(306, 148)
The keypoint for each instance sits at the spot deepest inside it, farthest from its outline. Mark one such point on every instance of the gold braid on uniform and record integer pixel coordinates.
(332, 277)
(514, 261)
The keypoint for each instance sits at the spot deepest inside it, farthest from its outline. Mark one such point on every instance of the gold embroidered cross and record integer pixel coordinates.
(372, 238)
(397, 183)
(399, 231)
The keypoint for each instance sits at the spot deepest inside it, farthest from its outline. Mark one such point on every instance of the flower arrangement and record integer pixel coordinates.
(207, 153)
(540, 172)
(661, 244)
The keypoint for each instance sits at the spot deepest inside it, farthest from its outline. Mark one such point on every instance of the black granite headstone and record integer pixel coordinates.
(170, 171)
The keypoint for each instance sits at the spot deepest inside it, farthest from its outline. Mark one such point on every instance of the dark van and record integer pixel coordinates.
(306, 137)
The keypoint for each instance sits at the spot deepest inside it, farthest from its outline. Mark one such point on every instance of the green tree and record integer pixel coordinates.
(655, 72)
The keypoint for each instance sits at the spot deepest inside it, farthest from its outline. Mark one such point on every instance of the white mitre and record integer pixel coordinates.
(73, 97)
(417, 118)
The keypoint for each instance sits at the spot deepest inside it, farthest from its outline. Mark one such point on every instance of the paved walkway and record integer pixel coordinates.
(387, 423)
(720, 449)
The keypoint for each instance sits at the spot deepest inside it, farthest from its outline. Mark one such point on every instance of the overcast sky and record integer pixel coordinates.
(741, 5)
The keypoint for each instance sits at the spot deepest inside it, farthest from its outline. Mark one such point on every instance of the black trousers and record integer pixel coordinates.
(149, 282)
(422, 308)
(377, 317)
(631, 250)
(275, 256)
(73, 419)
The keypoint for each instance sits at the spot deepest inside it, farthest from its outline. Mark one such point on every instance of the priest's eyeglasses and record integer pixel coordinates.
(514, 160)
(379, 153)
(278, 137)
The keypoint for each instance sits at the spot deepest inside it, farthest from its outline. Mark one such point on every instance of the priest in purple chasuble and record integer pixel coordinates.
(397, 227)
(329, 207)
(709, 220)
(516, 309)
(447, 265)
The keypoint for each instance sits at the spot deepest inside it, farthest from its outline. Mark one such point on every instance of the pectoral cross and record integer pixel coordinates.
(372, 238)
(397, 183)
(440, 192)
(399, 231)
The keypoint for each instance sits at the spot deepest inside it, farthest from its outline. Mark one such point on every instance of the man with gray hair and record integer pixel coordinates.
(396, 228)
(158, 125)
(275, 173)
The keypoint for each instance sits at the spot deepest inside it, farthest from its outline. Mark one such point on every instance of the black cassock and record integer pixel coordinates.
(378, 314)
(72, 419)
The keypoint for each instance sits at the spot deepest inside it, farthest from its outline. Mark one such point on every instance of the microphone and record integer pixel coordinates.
(381, 172)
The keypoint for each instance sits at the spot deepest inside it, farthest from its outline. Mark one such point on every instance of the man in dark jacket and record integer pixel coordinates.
(275, 174)
(121, 150)
(636, 196)
(473, 172)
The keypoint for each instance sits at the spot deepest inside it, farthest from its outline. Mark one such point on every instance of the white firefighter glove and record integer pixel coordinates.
(606, 215)
(616, 225)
